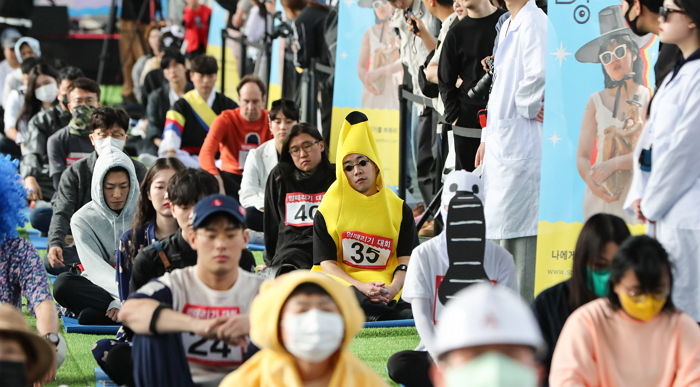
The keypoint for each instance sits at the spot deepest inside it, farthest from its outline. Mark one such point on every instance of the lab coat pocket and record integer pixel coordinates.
(515, 139)
(662, 128)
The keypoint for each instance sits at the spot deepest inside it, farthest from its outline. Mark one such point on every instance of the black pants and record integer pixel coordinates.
(70, 257)
(82, 297)
(377, 311)
(254, 219)
(9, 147)
(465, 152)
(232, 183)
(410, 368)
(425, 151)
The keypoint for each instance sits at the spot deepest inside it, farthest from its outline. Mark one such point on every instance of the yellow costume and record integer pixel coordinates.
(274, 365)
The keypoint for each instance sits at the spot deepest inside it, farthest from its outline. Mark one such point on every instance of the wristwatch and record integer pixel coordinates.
(400, 268)
(53, 338)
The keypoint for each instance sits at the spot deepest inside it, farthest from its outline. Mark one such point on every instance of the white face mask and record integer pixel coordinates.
(46, 93)
(314, 335)
(103, 144)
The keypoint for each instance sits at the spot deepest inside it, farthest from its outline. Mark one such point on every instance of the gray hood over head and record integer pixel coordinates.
(97, 228)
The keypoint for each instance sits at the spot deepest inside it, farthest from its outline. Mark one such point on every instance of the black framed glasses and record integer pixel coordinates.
(350, 167)
(306, 146)
(665, 12)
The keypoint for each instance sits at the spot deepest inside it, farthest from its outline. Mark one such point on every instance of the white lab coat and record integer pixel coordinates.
(512, 137)
(257, 168)
(670, 192)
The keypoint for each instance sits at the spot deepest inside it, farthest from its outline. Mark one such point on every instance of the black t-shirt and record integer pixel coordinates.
(551, 308)
(465, 45)
(325, 249)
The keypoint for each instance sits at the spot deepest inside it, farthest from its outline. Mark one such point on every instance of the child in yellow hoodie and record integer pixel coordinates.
(304, 323)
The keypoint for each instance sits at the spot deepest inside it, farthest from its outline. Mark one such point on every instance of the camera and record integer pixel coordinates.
(407, 15)
(480, 91)
(281, 29)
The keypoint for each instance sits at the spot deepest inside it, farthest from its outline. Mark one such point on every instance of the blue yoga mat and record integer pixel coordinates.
(390, 324)
(102, 380)
(39, 242)
(255, 247)
(72, 326)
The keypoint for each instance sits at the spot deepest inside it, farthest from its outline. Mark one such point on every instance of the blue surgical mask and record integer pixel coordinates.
(597, 281)
(491, 369)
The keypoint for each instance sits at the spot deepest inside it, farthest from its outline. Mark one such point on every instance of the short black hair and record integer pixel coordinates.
(219, 216)
(286, 106)
(251, 79)
(118, 168)
(104, 117)
(204, 64)
(646, 257)
(171, 56)
(87, 84)
(187, 187)
(309, 288)
(70, 73)
(28, 64)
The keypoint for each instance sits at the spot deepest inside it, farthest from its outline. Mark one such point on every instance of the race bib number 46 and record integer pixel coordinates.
(365, 251)
(210, 352)
(300, 208)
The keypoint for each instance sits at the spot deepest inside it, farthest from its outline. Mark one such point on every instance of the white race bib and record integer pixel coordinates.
(210, 352)
(300, 208)
(365, 251)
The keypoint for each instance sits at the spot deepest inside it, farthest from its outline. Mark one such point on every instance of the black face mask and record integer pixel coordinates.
(633, 23)
(13, 374)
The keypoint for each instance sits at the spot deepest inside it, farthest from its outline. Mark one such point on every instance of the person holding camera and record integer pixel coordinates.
(464, 46)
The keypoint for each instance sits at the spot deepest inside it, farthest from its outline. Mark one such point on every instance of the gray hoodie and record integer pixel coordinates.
(97, 229)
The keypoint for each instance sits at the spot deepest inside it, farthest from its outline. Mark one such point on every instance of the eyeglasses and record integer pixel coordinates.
(306, 146)
(350, 167)
(618, 52)
(665, 12)
(646, 296)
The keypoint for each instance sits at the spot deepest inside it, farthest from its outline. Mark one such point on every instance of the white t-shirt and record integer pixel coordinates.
(429, 263)
(209, 360)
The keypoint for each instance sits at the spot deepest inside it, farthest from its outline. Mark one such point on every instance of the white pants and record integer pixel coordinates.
(683, 247)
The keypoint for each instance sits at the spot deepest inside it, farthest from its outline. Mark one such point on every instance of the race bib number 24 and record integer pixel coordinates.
(365, 251)
(210, 352)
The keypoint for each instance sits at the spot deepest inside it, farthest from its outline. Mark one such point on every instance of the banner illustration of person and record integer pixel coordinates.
(368, 73)
(597, 92)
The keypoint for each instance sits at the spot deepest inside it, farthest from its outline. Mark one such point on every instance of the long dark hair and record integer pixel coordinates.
(598, 231)
(145, 212)
(637, 64)
(646, 257)
(692, 9)
(297, 130)
(32, 105)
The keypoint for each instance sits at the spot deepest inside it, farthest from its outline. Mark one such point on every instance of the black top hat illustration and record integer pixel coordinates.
(612, 23)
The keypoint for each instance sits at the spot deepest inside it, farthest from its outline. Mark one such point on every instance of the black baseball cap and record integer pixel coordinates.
(214, 204)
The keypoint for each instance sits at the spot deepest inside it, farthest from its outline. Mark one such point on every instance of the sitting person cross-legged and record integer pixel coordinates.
(184, 190)
(438, 264)
(304, 322)
(261, 160)
(292, 195)
(635, 336)
(192, 324)
(363, 232)
(97, 226)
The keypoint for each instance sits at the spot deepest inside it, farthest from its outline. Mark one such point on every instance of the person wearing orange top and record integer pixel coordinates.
(236, 132)
(635, 336)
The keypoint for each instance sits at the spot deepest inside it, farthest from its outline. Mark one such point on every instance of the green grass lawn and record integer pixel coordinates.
(373, 346)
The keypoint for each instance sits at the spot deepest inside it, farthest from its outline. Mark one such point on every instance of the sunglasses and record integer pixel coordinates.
(665, 12)
(350, 167)
(618, 52)
(379, 3)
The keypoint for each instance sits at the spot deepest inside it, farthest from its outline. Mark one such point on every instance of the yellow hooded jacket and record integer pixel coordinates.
(365, 229)
(273, 365)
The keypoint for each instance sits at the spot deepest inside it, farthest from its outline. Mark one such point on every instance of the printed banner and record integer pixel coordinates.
(599, 83)
(367, 76)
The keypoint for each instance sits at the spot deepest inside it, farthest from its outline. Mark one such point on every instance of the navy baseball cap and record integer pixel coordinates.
(214, 204)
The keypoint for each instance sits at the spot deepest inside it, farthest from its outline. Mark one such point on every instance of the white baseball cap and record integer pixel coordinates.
(485, 314)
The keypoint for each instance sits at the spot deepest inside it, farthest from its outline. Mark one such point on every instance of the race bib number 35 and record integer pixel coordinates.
(206, 351)
(365, 251)
(300, 208)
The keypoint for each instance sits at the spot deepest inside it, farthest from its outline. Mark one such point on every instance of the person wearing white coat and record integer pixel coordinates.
(261, 160)
(666, 181)
(511, 142)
